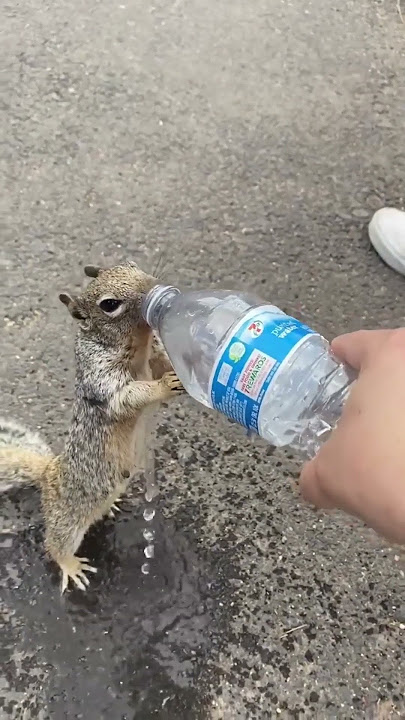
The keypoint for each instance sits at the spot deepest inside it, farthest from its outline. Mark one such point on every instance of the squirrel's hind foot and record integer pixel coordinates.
(74, 568)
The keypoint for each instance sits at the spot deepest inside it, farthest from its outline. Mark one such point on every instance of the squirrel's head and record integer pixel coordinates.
(111, 304)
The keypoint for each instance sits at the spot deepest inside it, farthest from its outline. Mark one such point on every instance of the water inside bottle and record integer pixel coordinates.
(306, 394)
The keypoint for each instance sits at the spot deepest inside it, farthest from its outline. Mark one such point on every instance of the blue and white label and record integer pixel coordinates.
(249, 361)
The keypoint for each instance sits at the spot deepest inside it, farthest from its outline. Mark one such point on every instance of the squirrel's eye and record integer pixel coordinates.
(110, 305)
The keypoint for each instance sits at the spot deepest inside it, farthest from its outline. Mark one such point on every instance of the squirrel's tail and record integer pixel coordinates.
(24, 457)
(22, 467)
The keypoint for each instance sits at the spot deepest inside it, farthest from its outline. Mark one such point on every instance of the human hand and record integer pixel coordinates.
(361, 468)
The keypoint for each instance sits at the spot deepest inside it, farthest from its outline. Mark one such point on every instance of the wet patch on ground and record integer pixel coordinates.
(132, 646)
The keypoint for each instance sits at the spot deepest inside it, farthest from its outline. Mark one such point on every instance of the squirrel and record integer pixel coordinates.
(122, 370)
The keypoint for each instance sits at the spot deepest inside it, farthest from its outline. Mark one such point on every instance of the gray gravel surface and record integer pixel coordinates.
(249, 142)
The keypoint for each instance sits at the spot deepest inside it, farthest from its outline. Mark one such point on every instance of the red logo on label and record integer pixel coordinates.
(256, 328)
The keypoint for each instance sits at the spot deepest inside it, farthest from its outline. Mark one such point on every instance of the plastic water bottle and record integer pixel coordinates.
(252, 362)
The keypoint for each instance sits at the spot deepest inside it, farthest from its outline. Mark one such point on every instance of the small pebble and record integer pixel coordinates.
(185, 456)
(361, 213)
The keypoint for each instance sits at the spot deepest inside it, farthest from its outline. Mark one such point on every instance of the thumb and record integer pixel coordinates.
(310, 483)
(357, 348)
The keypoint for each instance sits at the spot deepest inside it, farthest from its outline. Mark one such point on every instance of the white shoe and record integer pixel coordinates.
(387, 235)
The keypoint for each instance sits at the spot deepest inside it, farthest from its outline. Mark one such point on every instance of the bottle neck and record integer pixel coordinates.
(156, 302)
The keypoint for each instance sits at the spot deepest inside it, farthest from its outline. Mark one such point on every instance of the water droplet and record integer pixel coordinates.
(145, 569)
(148, 535)
(151, 493)
(148, 514)
(149, 551)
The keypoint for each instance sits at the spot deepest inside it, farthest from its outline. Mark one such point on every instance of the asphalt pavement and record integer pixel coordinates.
(248, 144)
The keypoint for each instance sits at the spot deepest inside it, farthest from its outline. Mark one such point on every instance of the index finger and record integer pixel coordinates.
(357, 348)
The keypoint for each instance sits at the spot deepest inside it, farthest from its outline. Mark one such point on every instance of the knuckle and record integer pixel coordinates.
(396, 339)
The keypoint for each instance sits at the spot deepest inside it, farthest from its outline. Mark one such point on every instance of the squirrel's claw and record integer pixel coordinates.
(114, 509)
(172, 383)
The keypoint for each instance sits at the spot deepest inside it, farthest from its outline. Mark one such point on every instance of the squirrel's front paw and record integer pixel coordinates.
(171, 384)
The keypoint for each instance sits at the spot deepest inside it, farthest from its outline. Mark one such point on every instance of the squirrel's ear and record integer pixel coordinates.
(71, 305)
(66, 299)
(92, 271)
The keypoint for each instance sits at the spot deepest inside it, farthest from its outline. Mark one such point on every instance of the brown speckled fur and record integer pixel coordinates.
(121, 371)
